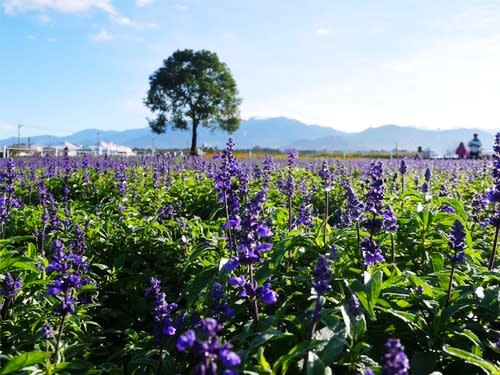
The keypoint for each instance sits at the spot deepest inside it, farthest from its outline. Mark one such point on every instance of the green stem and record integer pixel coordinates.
(325, 219)
(255, 304)
(393, 252)
(59, 335)
(491, 263)
(448, 295)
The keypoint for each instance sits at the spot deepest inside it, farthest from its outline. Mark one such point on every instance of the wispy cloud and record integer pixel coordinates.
(143, 3)
(181, 7)
(322, 31)
(6, 126)
(13, 7)
(43, 18)
(102, 36)
(30, 37)
(65, 6)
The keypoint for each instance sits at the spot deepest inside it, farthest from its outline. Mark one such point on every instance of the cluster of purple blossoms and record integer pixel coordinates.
(479, 205)
(304, 214)
(7, 199)
(395, 360)
(355, 208)
(251, 289)
(457, 243)
(325, 175)
(493, 193)
(10, 286)
(208, 352)
(70, 268)
(403, 167)
(374, 210)
(322, 276)
(354, 307)
(390, 222)
(217, 304)
(226, 187)
(162, 311)
(371, 251)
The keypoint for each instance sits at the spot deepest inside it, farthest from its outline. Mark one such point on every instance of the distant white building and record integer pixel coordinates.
(111, 149)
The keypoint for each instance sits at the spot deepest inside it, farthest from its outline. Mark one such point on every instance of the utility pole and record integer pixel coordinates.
(19, 126)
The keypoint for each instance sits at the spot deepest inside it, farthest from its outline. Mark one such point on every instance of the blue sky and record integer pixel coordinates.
(68, 65)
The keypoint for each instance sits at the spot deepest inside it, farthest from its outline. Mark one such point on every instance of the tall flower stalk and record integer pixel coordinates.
(493, 196)
(456, 243)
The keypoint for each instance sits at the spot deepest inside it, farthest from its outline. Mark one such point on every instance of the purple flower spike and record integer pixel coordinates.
(371, 252)
(268, 295)
(395, 360)
(322, 276)
(457, 243)
(10, 286)
(186, 340)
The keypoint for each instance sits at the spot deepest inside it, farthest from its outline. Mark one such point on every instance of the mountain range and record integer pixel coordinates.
(279, 133)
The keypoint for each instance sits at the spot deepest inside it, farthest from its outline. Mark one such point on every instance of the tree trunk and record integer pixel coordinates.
(194, 149)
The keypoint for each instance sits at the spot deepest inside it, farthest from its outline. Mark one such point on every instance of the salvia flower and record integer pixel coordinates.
(457, 243)
(69, 268)
(325, 175)
(354, 307)
(427, 175)
(403, 167)
(10, 286)
(322, 276)
(371, 252)
(47, 332)
(354, 206)
(390, 223)
(209, 354)
(162, 311)
(217, 304)
(395, 360)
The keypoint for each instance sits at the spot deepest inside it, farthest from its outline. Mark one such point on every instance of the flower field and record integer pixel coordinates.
(171, 265)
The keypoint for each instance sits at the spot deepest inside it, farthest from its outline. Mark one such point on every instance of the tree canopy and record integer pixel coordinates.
(196, 86)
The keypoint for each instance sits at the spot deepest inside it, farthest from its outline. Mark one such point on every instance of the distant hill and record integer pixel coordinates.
(281, 133)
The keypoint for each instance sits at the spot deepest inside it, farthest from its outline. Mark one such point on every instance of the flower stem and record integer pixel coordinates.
(59, 335)
(491, 263)
(254, 298)
(393, 252)
(325, 219)
(448, 295)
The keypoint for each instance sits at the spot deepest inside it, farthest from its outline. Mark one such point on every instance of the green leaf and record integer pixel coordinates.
(473, 359)
(437, 262)
(24, 360)
(264, 365)
(374, 286)
(332, 351)
(314, 365)
(298, 351)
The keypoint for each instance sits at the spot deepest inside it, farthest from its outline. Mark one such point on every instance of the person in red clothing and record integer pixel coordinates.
(461, 151)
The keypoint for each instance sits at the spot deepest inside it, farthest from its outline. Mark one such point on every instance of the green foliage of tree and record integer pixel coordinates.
(193, 85)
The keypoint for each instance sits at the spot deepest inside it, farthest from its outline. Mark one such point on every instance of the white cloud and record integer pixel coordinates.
(30, 37)
(7, 126)
(65, 6)
(43, 18)
(143, 3)
(322, 31)
(68, 6)
(102, 36)
(181, 7)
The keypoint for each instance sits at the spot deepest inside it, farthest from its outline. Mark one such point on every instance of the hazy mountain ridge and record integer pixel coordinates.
(278, 132)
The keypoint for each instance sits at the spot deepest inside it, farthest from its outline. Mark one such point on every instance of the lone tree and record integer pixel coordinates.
(193, 85)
